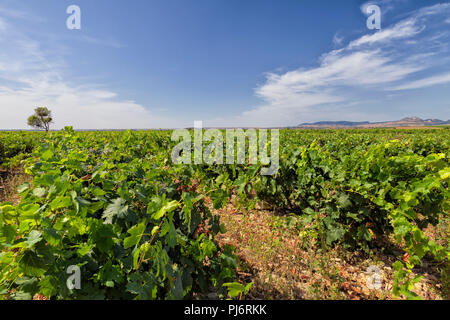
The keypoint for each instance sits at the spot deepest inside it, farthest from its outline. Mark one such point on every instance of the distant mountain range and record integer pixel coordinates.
(406, 122)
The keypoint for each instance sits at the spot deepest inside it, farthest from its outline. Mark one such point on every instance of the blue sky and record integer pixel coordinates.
(164, 64)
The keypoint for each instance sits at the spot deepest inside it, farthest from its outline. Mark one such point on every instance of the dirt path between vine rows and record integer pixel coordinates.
(9, 181)
(284, 261)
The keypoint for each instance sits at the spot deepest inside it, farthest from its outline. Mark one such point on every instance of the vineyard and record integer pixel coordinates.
(141, 227)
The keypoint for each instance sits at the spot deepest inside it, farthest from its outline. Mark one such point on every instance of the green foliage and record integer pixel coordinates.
(114, 204)
(237, 289)
(107, 202)
(15, 146)
(352, 186)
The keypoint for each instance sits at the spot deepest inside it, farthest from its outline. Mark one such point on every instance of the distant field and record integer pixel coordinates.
(424, 128)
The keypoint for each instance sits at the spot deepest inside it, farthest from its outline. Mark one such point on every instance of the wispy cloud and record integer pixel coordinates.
(19, 14)
(423, 83)
(403, 29)
(337, 40)
(109, 42)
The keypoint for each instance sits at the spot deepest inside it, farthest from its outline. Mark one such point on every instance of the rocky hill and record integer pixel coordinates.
(406, 122)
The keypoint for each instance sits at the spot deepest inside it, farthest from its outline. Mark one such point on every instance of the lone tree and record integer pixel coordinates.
(41, 119)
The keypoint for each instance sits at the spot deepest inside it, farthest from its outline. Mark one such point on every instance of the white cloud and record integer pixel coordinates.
(73, 106)
(423, 83)
(294, 95)
(403, 29)
(355, 68)
(337, 40)
(439, 8)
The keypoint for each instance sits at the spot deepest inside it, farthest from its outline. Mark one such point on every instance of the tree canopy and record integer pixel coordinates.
(41, 119)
